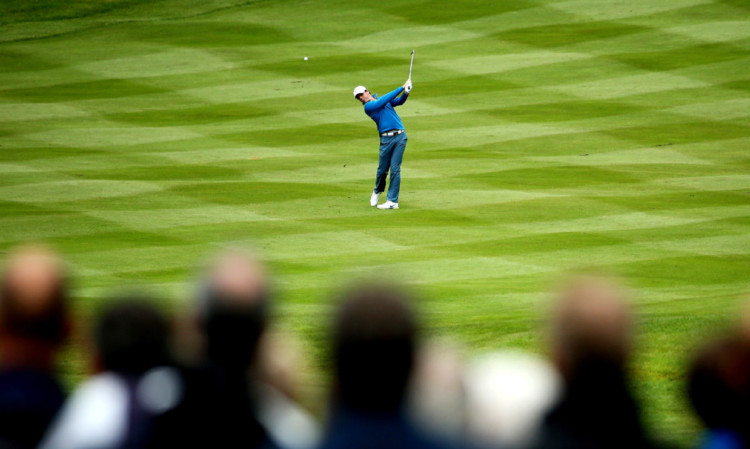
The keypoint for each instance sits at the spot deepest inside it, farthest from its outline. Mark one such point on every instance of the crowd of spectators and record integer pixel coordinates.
(216, 380)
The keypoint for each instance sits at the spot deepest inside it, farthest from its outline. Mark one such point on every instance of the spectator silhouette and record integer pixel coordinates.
(591, 333)
(374, 344)
(134, 384)
(218, 408)
(719, 390)
(34, 323)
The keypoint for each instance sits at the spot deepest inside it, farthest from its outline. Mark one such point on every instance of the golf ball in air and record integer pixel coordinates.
(305, 58)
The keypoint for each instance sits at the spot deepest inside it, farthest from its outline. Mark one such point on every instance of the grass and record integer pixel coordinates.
(545, 137)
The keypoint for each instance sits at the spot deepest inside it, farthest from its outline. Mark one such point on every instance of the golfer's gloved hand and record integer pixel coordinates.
(407, 86)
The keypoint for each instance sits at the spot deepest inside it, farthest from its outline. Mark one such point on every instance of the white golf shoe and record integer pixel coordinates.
(388, 205)
(374, 199)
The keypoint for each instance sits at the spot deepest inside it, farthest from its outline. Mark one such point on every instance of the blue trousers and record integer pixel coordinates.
(391, 154)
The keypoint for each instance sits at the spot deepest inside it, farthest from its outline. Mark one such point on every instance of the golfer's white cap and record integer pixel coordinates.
(359, 90)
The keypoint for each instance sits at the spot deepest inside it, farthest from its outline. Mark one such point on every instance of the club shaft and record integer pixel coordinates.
(411, 65)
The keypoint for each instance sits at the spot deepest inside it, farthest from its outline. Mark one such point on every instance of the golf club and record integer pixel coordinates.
(412, 63)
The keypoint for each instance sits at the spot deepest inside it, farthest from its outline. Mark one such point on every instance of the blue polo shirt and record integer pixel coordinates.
(382, 112)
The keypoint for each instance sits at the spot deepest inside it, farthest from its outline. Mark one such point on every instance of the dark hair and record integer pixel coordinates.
(132, 335)
(233, 326)
(49, 325)
(718, 383)
(374, 340)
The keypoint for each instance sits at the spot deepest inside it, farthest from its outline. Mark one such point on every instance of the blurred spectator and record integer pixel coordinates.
(278, 386)
(117, 407)
(591, 333)
(507, 395)
(437, 397)
(34, 323)
(719, 390)
(221, 406)
(374, 345)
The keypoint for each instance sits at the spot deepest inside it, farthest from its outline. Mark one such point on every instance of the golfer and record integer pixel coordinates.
(392, 139)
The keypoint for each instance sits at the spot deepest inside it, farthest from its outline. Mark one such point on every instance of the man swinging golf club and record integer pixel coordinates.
(392, 138)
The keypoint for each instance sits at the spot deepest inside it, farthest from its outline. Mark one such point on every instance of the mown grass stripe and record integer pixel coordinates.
(635, 220)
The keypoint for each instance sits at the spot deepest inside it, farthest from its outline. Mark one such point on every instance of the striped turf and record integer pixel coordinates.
(545, 137)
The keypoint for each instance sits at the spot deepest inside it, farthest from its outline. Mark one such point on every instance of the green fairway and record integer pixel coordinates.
(545, 137)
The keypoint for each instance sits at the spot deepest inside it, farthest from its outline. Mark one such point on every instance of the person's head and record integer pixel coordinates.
(131, 335)
(374, 340)
(233, 309)
(362, 94)
(34, 300)
(718, 383)
(591, 324)
(508, 392)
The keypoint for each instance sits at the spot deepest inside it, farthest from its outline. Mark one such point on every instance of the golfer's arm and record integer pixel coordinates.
(401, 99)
(382, 101)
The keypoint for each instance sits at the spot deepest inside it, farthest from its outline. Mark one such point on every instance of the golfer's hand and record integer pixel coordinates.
(407, 86)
